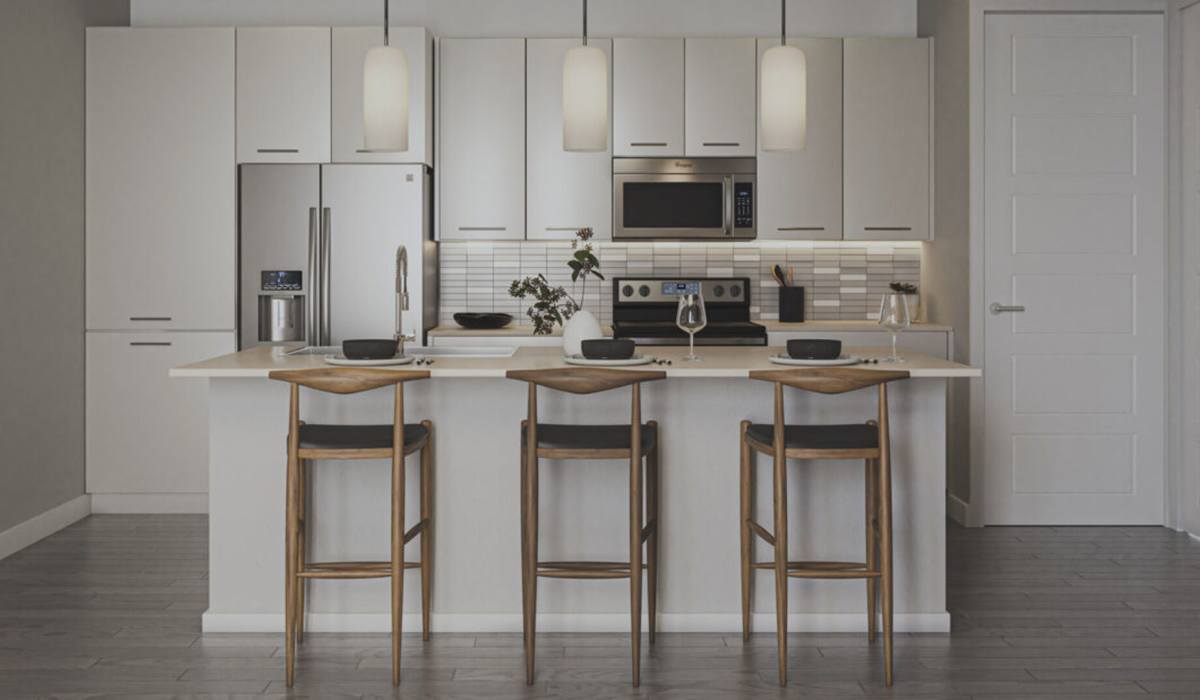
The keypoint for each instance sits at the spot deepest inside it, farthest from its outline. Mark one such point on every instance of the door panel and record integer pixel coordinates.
(1188, 498)
(1074, 233)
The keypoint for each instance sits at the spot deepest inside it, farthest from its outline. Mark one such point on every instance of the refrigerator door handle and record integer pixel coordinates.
(326, 337)
(311, 336)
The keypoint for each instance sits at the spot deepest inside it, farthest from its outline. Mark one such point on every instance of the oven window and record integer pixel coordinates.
(673, 205)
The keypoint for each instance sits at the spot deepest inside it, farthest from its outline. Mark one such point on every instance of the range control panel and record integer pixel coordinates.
(733, 290)
(281, 281)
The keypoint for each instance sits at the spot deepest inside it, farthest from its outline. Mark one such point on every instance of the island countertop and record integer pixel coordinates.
(716, 362)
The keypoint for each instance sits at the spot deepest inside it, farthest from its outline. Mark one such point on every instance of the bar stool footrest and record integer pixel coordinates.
(351, 569)
(584, 569)
(824, 569)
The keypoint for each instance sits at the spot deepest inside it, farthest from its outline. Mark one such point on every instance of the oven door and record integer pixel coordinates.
(681, 206)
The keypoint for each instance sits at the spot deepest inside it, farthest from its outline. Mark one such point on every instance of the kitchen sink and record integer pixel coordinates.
(463, 352)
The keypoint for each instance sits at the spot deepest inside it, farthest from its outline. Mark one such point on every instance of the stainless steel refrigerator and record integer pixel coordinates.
(317, 252)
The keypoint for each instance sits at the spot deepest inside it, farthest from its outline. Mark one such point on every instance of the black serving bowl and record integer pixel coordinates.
(607, 348)
(482, 321)
(369, 349)
(814, 349)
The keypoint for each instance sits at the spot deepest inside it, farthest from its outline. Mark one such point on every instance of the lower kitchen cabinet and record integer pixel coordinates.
(147, 434)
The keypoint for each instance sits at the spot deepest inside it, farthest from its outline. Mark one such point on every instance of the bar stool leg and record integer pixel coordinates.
(781, 562)
(524, 529)
(290, 582)
(530, 563)
(635, 558)
(397, 555)
(885, 553)
(872, 524)
(301, 545)
(747, 500)
(652, 477)
(427, 533)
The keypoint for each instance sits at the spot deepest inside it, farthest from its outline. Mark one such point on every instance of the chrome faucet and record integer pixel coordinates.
(401, 299)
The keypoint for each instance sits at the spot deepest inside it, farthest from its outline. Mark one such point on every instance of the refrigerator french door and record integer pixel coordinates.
(318, 252)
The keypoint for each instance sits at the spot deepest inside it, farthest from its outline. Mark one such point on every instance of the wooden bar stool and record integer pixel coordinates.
(307, 442)
(867, 441)
(556, 441)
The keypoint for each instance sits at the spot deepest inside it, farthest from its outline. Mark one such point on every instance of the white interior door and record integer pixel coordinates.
(1074, 233)
(1189, 496)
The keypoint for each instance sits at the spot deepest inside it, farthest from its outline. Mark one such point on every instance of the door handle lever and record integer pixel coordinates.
(998, 309)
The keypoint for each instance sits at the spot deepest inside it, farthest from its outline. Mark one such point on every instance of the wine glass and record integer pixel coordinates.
(894, 316)
(691, 319)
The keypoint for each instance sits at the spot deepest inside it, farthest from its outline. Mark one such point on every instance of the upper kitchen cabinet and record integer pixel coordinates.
(800, 192)
(567, 190)
(481, 138)
(648, 97)
(720, 91)
(160, 178)
(350, 46)
(283, 76)
(887, 92)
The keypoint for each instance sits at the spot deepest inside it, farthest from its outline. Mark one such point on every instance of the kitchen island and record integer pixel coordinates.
(476, 413)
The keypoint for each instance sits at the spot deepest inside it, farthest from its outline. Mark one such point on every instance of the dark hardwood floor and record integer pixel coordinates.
(110, 607)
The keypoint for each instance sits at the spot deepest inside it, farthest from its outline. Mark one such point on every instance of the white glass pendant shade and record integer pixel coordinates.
(783, 96)
(385, 99)
(585, 99)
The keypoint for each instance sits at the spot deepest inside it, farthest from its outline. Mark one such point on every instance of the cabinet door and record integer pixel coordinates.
(648, 97)
(567, 190)
(481, 138)
(887, 145)
(721, 97)
(146, 432)
(800, 192)
(283, 94)
(350, 46)
(160, 177)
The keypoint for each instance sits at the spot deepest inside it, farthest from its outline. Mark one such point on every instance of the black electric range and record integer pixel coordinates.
(644, 310)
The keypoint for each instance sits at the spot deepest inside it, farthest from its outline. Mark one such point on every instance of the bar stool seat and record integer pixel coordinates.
(858, 436)
(554, 436)
(315, 436)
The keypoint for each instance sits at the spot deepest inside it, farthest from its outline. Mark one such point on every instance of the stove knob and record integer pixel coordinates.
(735, 290)
(627, 291)
(719, 290)
(644, 290)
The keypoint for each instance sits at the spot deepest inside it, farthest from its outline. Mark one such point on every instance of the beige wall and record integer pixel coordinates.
(946, 262)
(41, 250)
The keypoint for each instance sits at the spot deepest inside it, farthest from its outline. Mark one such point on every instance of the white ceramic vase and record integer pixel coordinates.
(580, 327)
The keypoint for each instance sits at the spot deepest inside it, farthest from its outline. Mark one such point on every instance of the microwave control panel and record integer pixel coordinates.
(743, 205)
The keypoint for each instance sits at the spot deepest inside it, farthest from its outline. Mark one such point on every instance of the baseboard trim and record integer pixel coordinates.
(730, 623)
(958, 510)
(21, 535)
(150, 503)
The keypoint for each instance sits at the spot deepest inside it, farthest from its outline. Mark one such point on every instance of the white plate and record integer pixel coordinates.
(633, 361)
(839, 362)
(343, 361)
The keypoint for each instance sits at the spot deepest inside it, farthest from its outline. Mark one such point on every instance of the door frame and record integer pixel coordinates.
(975, 509)
(1183, 508)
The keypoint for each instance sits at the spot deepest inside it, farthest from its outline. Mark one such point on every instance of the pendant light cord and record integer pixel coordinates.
(386, 23)
(585, 22)
(782, 22)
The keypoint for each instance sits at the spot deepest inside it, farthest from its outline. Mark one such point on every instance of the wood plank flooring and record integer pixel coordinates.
(110, 607)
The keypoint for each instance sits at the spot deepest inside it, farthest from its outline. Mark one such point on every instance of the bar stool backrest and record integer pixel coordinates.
(346, 380)
(829, 380)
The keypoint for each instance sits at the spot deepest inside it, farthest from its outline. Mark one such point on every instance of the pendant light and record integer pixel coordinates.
(385, 95)
(783, 94)
(585, 96)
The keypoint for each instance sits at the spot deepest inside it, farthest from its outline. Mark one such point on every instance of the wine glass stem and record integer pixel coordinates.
(691, 346)
(895, 335)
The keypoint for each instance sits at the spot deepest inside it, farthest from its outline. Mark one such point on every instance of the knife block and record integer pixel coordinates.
(791, 304)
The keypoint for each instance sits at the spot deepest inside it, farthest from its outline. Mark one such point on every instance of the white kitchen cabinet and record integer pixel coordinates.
(648, 97)
(160, 178)
(146, 432)
(350, 46)
(567, 190)
(887, 91)
(481, 139)
(720, 96)
(800, 192)
(283, 78)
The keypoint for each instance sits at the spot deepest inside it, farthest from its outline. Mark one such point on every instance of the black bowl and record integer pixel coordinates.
(814, 349)
(369, 349)
(482, 321)
(607, 348)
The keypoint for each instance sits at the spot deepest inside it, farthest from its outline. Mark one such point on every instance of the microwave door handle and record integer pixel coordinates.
(727, 206)
(314, 294)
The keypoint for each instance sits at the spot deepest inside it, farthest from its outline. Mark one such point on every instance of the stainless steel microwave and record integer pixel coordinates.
(683, 198)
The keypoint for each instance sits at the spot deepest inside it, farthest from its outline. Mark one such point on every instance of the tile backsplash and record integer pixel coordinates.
(842, 280)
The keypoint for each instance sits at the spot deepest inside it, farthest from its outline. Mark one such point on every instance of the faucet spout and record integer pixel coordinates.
(401, 296)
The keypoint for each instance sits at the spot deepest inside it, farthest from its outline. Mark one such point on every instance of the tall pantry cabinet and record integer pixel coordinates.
(160, 178)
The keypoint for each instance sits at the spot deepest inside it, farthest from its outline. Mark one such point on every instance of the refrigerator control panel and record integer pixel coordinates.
(281, 281)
